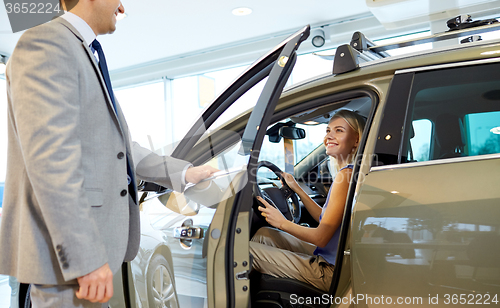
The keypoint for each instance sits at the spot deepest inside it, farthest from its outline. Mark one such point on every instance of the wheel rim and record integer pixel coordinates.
(163, 289)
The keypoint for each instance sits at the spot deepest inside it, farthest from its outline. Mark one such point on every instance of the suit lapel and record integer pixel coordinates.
(97, 70)
(117, 115)
(103, 85)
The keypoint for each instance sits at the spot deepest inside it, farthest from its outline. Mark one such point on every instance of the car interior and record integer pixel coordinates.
(306, 128)
(312, 173)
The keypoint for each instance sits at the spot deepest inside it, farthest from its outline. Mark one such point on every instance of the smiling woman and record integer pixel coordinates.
(300, 252)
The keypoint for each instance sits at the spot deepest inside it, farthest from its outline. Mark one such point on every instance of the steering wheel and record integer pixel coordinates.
(284, 198)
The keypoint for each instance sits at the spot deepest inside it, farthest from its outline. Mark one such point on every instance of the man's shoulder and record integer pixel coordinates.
(54, 33)
(54, 25)
(56, 28)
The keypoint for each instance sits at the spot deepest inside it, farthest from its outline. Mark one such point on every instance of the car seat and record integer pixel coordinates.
(272, 292)
(450, 137)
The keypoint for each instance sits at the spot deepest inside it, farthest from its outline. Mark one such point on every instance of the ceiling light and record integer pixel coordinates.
(495, 130)
(311, 123)
(388, 137)
(394, 192)
(318, 38)
(3, 64)
(242, 11)
(121, 16)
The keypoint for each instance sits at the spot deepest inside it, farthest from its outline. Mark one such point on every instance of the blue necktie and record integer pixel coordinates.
(104, 70)
(96, 46)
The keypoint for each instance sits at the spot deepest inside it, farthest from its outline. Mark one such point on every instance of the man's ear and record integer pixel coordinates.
(68, 5)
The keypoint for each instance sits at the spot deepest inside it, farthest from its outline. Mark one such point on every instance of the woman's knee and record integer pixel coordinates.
(263, 234)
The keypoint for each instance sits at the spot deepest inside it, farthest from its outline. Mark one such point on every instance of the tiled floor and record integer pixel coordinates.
(4, 292)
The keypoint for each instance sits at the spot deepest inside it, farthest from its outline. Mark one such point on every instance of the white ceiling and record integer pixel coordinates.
(175, 38)
(165, 29)
(157, 29)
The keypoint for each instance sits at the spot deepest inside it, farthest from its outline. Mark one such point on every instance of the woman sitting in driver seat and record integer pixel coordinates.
(303, 253)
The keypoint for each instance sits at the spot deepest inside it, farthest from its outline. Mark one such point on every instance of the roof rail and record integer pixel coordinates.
(348, 56)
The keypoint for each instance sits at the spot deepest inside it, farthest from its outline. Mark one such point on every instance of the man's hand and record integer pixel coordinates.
(96, 286)
(196, 174)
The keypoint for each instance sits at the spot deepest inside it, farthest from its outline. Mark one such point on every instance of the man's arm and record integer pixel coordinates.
(167, 171)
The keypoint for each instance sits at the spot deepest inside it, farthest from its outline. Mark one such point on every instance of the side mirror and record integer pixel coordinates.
(290, 132)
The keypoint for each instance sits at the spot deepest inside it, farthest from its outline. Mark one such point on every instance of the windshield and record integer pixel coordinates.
(274, 152)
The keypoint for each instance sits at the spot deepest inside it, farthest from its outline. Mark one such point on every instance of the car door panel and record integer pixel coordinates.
(426, 218)
(437, 234)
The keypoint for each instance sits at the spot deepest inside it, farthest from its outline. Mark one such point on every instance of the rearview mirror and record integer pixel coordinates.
(290, 132)
(285, 130)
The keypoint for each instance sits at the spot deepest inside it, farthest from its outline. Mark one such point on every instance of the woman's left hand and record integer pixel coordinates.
(272, 215)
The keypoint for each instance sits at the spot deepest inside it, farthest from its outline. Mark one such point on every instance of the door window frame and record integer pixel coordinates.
(399, 109)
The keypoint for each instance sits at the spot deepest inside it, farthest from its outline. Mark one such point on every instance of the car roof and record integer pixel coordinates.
(388, 66)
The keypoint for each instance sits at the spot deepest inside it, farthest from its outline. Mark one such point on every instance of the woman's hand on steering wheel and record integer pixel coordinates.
(272, 215)
(284, 199)
(290, 181)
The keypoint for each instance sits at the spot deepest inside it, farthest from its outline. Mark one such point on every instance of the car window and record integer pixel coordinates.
(420, 140)
(314, 137)
(453, 112)
(483, 132)
(241, 106)
(224, 132)
(274, 152)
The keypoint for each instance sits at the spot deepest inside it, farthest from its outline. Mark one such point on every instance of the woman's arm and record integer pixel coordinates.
(321, 235)
(311, 206)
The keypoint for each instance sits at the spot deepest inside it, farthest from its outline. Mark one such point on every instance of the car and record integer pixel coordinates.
(421, 222)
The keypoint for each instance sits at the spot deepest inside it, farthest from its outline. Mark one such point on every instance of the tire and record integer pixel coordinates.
(160, 284)
(24, 298)
(27, 302)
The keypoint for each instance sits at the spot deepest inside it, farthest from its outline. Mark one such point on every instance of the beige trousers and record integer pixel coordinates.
(282, 255)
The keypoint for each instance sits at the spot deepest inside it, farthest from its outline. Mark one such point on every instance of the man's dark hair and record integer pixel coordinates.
(69, 4)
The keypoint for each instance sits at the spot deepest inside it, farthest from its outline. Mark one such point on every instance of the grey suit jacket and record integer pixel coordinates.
(67, 210)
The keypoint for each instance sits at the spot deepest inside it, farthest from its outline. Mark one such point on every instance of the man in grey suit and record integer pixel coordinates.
(70, 216)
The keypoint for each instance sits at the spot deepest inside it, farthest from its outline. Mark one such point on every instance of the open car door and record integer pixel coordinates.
(208, 225)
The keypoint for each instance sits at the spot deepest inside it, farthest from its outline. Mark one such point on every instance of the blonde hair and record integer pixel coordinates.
(357, 123)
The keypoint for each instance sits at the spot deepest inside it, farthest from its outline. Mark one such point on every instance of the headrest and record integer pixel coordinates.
(450, 132)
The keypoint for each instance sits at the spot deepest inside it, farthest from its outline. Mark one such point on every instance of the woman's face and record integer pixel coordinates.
(340, 140)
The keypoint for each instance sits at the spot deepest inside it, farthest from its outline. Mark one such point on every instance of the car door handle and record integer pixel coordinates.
(188, 233)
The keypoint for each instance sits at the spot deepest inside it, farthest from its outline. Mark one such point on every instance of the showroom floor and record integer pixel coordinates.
(4, 292)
